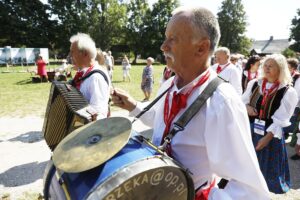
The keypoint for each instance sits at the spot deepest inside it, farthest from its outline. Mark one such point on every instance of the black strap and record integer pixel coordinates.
(93, 72)
(151, 104)
(186, 117)
(72, 82)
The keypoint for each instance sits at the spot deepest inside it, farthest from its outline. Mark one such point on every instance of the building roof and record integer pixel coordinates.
(270, 46)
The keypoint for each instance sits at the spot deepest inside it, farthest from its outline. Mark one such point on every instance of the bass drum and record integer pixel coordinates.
(135, 172)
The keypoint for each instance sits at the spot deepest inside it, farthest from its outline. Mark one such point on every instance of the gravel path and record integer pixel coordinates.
(24, 155)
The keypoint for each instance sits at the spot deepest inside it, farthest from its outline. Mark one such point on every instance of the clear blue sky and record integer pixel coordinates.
(264, 17)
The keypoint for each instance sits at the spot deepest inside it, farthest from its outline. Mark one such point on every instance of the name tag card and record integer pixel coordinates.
(259, 127)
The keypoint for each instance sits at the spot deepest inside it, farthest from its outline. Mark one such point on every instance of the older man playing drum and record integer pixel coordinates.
(217, 140)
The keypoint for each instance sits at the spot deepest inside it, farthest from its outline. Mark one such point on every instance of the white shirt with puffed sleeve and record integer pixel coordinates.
(217, 141)
(231, 74)
(97, 92)
(281, 117)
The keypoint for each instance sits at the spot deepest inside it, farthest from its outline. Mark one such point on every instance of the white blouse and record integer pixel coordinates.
(217, 141)
(282, 115)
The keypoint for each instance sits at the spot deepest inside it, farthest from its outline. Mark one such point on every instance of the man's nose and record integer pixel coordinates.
(164, 46)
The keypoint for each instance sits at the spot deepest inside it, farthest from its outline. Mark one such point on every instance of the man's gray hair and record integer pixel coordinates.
(224, 50)
(204, 23)
(85, 43)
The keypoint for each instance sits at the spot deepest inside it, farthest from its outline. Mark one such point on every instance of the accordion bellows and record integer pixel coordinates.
(66, 111)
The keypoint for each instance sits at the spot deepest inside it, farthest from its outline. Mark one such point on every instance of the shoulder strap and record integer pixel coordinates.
(96, 71)
(186, 117)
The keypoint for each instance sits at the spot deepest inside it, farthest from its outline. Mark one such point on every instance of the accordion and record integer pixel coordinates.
(66, 111)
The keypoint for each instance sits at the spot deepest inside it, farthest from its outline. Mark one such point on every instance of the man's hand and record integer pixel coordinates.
(264, 141)
(251, 111)
(123, 100)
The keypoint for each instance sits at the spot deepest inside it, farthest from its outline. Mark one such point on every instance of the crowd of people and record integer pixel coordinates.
(238, 134)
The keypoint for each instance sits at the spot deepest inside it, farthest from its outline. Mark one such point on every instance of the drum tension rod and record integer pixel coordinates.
(150, 144)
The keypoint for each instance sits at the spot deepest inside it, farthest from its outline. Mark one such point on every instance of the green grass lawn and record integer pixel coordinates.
(20, 97)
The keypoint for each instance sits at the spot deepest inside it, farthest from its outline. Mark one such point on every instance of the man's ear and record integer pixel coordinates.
(202, 47)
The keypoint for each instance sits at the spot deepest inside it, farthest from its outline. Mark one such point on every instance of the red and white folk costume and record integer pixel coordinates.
(230, 73)
(217, 141)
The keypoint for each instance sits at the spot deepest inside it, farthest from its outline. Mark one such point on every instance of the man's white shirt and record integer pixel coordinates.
(231, 74)
(217, 141)
(96, 91)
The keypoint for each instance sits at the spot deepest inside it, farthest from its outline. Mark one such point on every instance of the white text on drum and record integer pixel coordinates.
(156, 178)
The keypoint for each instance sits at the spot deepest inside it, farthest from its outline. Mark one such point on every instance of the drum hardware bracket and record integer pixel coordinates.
(147, 141)
(62, 183)
(169, 137)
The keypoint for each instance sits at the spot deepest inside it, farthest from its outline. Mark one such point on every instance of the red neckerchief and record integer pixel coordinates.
(266, 95)
(202, 194)
(220, 69)
(249, 75)
(79, 76)
(179, 102)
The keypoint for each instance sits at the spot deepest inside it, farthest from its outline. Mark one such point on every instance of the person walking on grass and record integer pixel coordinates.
(126, 68)
(147, 79)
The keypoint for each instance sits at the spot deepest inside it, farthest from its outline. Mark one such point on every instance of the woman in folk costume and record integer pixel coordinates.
(251, 70)
(270, 103)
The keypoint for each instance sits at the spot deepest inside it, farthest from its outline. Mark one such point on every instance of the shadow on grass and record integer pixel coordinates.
(117, 81)
(23, 174)
(29, 137)
(24, 82)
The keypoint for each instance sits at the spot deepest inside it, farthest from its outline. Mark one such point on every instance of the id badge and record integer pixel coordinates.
(259, 127)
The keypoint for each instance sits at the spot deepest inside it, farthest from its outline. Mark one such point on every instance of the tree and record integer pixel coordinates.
(160, 16)
(104, 20)
(232, 21)
(25, 24)
(107, 22)
(295, 32)
(138, 12)
(288, 53)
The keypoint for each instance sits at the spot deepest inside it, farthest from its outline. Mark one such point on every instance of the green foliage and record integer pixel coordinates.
(289, 53)
(104, 20)
(295, 32)
(136, 34)
(25, 24)
(232, 20)
(160, 15)
(109, 22)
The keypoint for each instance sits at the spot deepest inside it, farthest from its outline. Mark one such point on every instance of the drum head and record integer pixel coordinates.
(158, 177)
(91, 145)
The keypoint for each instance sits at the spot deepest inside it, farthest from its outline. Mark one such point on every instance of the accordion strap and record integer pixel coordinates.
(93, 72)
